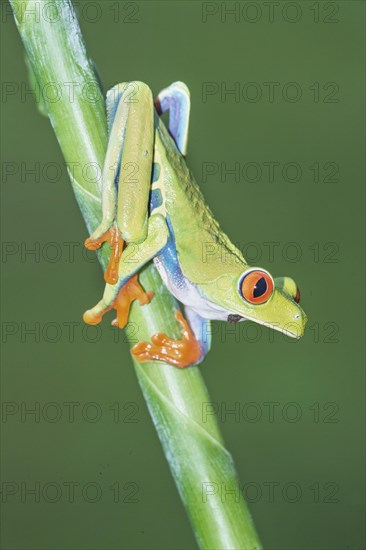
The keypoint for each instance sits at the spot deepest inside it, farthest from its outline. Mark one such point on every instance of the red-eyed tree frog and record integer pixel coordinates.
(153, 210)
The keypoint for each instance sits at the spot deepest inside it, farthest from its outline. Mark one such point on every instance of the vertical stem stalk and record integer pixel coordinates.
(177, 399)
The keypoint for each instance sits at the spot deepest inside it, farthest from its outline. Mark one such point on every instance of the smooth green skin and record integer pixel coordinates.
(206, 255)
(130, 146)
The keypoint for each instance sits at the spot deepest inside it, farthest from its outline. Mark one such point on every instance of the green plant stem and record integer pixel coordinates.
(176, 398)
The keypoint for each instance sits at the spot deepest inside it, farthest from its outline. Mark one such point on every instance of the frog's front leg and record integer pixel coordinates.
(120, 300)
(191, 349)
(127, 289)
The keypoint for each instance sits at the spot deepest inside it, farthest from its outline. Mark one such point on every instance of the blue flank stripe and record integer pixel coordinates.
(169, 259)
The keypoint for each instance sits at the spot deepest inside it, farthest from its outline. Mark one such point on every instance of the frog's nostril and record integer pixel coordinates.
(297, 297)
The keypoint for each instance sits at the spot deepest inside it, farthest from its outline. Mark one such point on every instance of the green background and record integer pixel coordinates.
(311, 451)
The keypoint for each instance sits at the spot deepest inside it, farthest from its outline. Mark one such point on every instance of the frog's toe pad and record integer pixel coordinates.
(91, 318)
(90, 244)
(145, 298)
(180, 353)
(119, 323)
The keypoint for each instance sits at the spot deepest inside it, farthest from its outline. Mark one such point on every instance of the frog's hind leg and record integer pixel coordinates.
(136, 163)
(128, 161)
(191, 349)
(176, 99)
(127, 167)
(117, 114)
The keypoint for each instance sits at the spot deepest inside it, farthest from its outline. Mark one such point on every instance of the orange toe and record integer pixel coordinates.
(91, 319)
(113, 237)
(90, 244)
(180, 353)
(130, 291)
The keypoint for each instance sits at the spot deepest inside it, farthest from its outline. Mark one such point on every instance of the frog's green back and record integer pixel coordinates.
(204, 251)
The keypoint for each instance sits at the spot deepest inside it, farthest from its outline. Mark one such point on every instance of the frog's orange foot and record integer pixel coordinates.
(180, 353)
(132, 290)
(113, 237)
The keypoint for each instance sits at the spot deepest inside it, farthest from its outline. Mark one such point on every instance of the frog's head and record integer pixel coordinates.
(254, 295)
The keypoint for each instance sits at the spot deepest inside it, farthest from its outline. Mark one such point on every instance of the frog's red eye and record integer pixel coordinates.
(256, 286)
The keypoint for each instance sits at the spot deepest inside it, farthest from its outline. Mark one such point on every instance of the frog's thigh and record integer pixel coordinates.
(136, 163)
(176, 98)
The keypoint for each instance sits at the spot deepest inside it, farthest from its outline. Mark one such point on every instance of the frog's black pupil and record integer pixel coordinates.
(260, 288)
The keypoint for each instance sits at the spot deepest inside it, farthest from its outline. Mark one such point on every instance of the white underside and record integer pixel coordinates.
(189, 295)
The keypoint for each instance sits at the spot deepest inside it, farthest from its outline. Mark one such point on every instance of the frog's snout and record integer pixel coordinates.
(297, 327)
(296, 317)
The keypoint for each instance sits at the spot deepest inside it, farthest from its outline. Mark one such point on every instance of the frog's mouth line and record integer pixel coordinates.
(235, 318)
